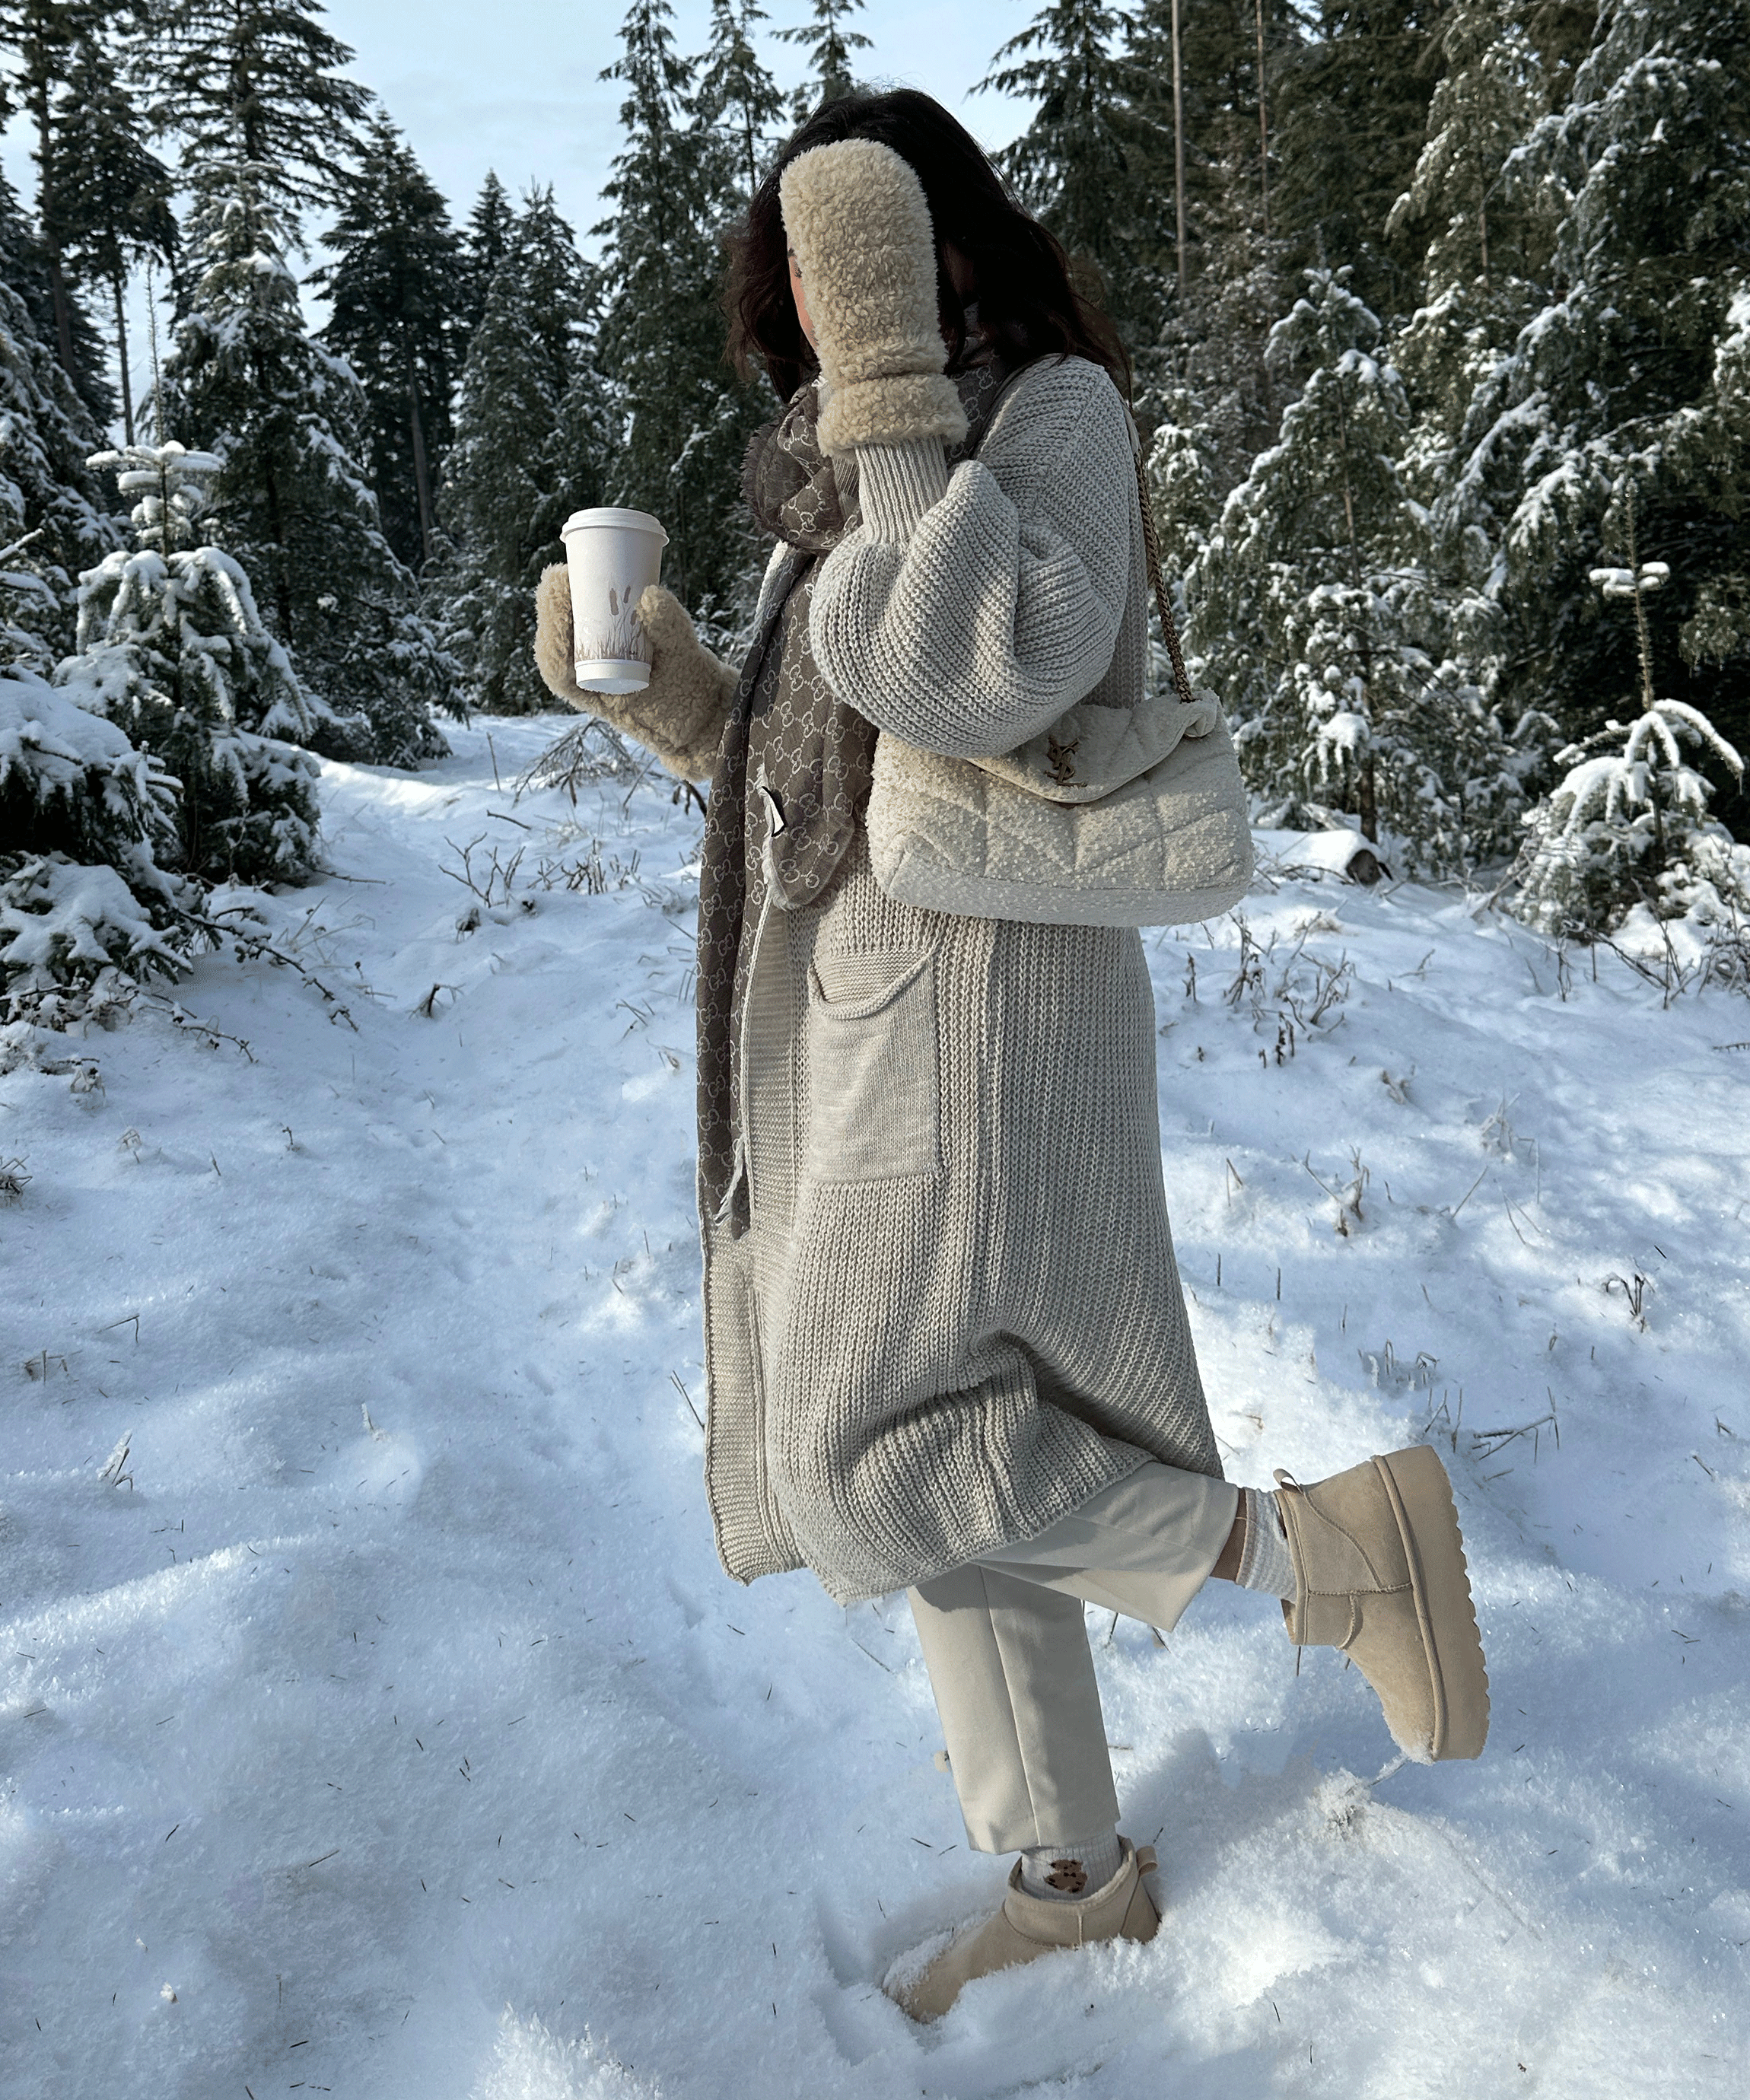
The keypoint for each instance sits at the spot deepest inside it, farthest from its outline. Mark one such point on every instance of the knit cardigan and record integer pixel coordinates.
(955, 1314)
(973, 609)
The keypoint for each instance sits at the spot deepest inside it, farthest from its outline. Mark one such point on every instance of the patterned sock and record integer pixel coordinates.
(1264, 1561)
(1064, 1872)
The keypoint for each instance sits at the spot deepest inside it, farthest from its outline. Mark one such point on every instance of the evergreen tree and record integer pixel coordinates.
(1628, 827)
(291, 502)
(1220, 86)
(172, 651)
(685, 420)
(52, 520)
(264, 119)
(47, 36)
(392, 294)
(829, 45)
(1088, 164)
(738, 96)
(1207, 370)
(1561, 33)
(1485, 102)
(1629, 375)
(1353, 121)
(1183, 480)
(1483, 249)
(112, 198)
(86, 909)
(1317, 623)
(484, 243)
(256, 83)
(530, 434)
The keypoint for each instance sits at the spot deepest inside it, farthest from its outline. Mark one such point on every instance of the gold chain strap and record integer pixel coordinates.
(1151, 548)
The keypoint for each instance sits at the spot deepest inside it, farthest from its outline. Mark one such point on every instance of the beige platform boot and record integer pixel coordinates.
(1028, 1926)
(1379, 1572)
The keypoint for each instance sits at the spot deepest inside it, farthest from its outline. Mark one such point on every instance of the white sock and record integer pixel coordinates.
(1264, 1561)
(1065, 1872)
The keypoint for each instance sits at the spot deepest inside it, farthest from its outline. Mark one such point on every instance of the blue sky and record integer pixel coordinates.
(526, 98)
(514, 84)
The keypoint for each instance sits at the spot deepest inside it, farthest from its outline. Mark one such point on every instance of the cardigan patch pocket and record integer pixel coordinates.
(874, 1095)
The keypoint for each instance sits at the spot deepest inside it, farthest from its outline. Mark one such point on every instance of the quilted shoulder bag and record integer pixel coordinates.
(1149, 827)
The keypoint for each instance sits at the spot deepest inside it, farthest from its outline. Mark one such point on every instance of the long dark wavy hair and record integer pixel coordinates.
(1029, 301)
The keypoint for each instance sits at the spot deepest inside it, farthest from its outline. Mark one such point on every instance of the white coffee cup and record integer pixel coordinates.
(612, 557)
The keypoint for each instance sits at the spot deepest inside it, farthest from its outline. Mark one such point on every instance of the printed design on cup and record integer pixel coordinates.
(614, 556)
(620, 636)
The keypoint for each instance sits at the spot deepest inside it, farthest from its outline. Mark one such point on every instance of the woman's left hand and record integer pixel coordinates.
(858, 224)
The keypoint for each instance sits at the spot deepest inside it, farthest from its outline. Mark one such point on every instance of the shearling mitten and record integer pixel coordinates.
(680, 713)
(856, 215)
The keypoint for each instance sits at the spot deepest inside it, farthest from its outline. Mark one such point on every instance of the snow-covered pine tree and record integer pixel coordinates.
(1488, 95)
(173, 653)
(254, 90)
(53, 522)
(530, 433)
(86, 909)
(1484, 251)
(684, 417)
(393, 294)
(1089, 161)
(291, 502)
(1630, 370)
(1182, 480)
(1350, 121)
(738, 96)
(1627, 830)
(43, 39)
(86, 819)
(1480, 250)
(1313, 616)
(1225, 187)
(1203, 381)
(484, 242)
(1706, 450)
(112, 193)
(829, 45)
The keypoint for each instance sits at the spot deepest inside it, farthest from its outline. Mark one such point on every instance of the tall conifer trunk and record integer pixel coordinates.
(1367, 802)
(1179, 151)
(122, 361)
(49, 214)
(1263, 121)
(421, 471)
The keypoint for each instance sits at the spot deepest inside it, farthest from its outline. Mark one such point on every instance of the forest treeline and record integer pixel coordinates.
(1441, 328)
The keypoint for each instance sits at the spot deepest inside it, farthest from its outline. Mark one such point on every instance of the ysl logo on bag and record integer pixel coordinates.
(1059, 758)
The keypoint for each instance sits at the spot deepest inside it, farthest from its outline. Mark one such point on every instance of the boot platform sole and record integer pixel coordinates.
(1420, 1496)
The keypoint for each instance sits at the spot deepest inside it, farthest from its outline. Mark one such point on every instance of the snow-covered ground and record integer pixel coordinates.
(383, 1725)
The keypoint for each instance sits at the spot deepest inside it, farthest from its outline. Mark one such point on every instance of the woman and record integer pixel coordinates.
(945, 1344)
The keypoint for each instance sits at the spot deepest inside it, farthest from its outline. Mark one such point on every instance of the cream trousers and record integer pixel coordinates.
(1006, 1644)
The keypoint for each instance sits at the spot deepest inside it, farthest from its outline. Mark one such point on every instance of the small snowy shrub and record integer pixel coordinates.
(1628, 826)
(74, 940)
(85, 907)
(1627, 834)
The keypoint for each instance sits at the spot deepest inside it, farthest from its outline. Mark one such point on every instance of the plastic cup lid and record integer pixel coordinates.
(628, 521)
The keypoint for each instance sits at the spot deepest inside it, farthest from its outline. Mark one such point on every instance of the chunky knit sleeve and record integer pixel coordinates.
(971, 608)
